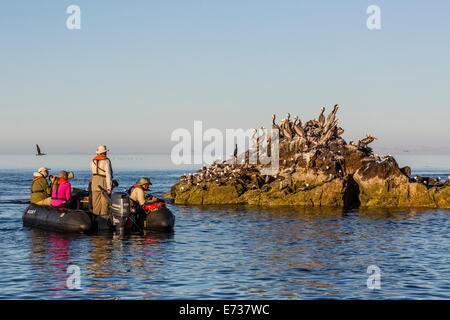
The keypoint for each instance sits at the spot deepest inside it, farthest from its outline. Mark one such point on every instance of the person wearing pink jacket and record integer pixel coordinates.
(61, 191)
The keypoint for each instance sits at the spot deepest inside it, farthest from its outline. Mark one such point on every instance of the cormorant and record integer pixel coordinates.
(39, 153)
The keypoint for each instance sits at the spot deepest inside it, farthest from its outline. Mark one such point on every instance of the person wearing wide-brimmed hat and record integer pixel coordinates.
(138, 191)
(40, 189)
(102, 175)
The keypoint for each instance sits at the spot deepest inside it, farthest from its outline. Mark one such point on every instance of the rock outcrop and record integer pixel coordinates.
(317, 168)
(384, 185)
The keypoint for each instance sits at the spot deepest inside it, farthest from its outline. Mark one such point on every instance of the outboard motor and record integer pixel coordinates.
(120, 209)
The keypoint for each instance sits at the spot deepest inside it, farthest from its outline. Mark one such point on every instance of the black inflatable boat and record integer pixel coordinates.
(152, 216)
(49, 218)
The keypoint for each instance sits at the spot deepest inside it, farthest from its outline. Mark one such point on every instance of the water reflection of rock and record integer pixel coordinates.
(303, 251)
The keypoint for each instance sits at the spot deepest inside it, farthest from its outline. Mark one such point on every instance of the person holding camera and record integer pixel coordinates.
(40, 189)
(61, 190)
(138, 192)
(102, 176)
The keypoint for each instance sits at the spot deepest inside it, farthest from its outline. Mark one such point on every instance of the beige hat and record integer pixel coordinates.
(43, 169)
(144, 180)
(62, 174)
(101, 149)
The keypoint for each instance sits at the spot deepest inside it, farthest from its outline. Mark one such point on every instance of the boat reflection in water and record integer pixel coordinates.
(105, 260)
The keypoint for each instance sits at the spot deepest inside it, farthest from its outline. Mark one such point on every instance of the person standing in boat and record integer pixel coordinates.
(102, 175)
(40, 189)
(61, 190)
(138, 194)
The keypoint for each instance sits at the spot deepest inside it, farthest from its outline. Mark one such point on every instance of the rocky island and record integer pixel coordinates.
(317, 168)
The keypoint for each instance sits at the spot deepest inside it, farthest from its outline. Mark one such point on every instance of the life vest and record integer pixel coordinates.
(100, 157)
(135, 186)
(56, 187)
(153, 206)
(96, 160)
(35, 179)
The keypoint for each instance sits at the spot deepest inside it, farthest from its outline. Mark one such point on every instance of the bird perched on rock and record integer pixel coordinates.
(274, 125)
(321, 118)
(286, 131)
(304, 187)
(368, 139)
(297, 127)
(339, 131)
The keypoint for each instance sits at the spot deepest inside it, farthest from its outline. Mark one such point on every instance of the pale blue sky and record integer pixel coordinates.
(137, 70)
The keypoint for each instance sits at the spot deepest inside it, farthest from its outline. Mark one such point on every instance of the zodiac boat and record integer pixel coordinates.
(79, 218)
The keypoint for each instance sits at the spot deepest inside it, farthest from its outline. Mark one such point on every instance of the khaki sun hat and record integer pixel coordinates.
(144, 180)
(42, 169)
(101, 149)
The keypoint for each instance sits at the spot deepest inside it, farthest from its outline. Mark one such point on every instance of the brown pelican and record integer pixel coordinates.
(246, 157)
(39, 153)
(274, 125)
(368, 139)
(297, 127)
(260, 138)
(331, 117)
(321, 118)
(285, 127)
(328, 134)
(259, 141)
(294, 123)
(287, 123)
(335, 108)
(254, 141)
(284, 123)
(287, 133)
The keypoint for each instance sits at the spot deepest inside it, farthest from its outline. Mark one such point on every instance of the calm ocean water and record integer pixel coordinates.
(224, 252)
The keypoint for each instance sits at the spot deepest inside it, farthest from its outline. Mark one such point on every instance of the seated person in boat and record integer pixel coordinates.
(138, 195)
(40, 189)
(61, 190)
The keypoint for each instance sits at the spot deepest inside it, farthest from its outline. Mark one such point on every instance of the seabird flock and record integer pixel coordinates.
(317, 133)
(317, 141)
(315, 147)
